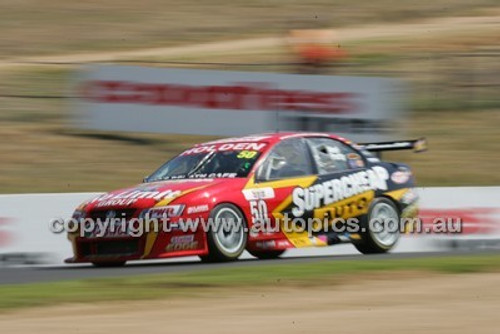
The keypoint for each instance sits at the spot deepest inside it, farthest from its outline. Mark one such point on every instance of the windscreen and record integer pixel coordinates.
(214, 164)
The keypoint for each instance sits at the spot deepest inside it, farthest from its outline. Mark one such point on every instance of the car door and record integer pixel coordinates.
(287, 166)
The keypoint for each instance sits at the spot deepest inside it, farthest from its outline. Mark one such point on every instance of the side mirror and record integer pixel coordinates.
(145, 179)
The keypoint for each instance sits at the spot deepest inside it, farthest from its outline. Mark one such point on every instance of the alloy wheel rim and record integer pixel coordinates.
(229, 235)
(383, 217)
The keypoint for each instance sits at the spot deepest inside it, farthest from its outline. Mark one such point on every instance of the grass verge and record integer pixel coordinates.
(206, 281)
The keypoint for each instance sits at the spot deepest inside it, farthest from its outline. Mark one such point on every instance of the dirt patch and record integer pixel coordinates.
(434, 304)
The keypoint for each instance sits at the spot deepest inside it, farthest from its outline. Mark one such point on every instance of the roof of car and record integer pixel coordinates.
(272, 137)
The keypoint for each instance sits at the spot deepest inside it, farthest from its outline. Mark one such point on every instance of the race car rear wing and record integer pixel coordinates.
(417, 145)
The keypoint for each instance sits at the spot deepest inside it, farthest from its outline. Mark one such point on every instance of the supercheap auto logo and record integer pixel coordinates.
(336, 190)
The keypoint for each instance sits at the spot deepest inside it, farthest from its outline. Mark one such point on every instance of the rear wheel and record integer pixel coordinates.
(227, 236)
(379, 228)
(266, 255)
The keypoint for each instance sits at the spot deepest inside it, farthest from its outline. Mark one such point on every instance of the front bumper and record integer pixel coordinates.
(107, 249)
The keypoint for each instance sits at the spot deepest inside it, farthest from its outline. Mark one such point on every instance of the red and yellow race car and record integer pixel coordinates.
(263, 193)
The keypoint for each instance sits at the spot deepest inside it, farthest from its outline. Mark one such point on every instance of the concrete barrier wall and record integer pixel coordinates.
(24, 226)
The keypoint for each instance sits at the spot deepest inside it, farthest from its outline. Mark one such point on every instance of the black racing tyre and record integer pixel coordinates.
(111, 264)
(226, 242)
(374, 238)
(267, 255)
(205, 258)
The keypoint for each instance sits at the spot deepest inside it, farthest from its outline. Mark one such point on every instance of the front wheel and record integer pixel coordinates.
(379, 228)
(227, 236)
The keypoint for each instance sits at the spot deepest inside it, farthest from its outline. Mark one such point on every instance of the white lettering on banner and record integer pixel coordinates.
(331, 191)
(225, 147)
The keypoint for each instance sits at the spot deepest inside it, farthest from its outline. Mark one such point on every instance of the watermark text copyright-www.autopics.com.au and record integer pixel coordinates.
(136, 227)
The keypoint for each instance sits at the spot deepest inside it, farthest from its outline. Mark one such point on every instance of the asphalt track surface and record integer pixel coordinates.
(22, 275)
